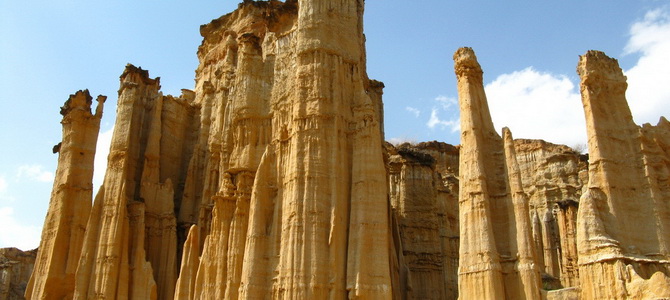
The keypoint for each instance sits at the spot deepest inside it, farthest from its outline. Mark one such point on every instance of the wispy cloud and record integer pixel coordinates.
(547, 106)
(446, 102)
(401, 140)
(444, 105)
(648, 93)
(34, 172)
(3, 185)
(454, 125)
(415, 111)
(4, 191)
(537, 105)
(13, 233)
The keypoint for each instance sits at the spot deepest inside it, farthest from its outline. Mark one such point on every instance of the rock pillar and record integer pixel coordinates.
(496, 256)
(622, 222)
(70, 204)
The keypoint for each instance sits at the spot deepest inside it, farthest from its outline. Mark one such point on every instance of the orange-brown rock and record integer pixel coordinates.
(497, 255)
(446, 164)
(424, 201)
(131, 240)
(185, 286)
(289, 159)
(15, 269)
(271, 180)
(623, 227)
(277, 157)
(70, 204)
(551, 177)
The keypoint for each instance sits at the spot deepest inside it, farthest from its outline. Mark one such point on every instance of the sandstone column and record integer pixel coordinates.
(130, 248)
(622, 222)
(70, 205)
(526, 256)
(480, 271)
(185, 286)
(567, 221)
(496, 256)
(294, 177)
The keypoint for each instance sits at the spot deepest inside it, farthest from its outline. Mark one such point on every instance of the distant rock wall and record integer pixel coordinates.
(423, 186)
(425, 207)
(553, 177)
(15, 269)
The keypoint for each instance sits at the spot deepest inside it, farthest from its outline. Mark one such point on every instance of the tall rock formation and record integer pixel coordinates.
(130, 247)
(289, 158)
(271, 180)
(70, 204)
(497, 255)
(623, 223)
(276, 157)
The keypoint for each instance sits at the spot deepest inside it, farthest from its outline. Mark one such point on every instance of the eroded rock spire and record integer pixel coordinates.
(70, 204)
(496, 254)
(623, 227)
(130, 248)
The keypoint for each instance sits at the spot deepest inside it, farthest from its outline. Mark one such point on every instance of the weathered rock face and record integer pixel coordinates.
(497, 255)
(423, 185)
(70, 204)
(15, 269)
(276, 157)
(131, 240)
(424, 201)
(271, 180)
(423, 182)
(551, 178)
(623, 228)
(291, 143)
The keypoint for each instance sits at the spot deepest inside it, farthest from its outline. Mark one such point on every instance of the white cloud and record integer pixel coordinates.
(547, 106)
(415, 111)
(100, 162)
(3, 185)
(537, 105)
(34, 172)
(4, 191)
(15, 234)
(401, 140)
(648, 81)
(446, 102)
(448, 105)
(454, 124)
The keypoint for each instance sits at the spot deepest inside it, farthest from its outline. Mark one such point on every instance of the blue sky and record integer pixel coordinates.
(528, 50)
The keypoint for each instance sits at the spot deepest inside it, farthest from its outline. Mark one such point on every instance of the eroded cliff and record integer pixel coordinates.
(15, 269)
(271, 180)
(276, 156)
(424, 200)
(294, 173)
(553, 177)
